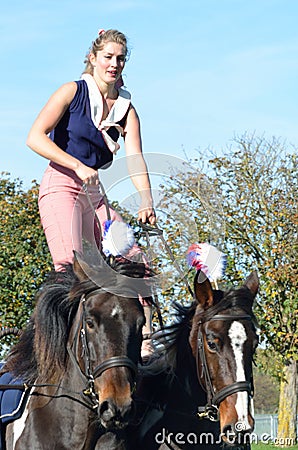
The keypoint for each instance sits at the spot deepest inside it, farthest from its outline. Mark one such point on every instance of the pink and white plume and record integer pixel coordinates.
(207, 258)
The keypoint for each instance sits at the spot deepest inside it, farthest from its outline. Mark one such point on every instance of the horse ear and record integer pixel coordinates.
(203, 290)
(80, 267)
(90, 271)
(253, 283)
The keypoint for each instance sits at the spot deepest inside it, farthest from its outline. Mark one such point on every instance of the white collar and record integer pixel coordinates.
(116, 113)
(118, 110)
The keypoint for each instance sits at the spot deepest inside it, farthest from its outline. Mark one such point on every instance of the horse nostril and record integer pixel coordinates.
(236, 434)
(107, 411)
(113, 416)
(228, 433)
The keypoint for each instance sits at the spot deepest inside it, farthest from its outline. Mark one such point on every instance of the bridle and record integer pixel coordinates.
(89, 374)
(211, 409)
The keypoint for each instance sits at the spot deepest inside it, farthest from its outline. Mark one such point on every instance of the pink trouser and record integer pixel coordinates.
(66, 215)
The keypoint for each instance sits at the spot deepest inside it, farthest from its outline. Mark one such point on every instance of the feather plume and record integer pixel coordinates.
(207, 258)
(118, 238)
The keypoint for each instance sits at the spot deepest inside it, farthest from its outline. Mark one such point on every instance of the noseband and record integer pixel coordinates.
(89, 375)
(210, 410)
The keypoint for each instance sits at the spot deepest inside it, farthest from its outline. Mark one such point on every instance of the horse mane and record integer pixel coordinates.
(168, 341)
(42, 348)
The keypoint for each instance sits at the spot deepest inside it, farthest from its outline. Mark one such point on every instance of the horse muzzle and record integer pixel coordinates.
(235, 429)
(237, 434)
(116, 417)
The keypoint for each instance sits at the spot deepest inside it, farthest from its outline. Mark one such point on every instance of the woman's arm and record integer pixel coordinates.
(45, 122)
(137, 167)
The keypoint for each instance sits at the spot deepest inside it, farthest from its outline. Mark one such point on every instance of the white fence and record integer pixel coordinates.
(266, 426)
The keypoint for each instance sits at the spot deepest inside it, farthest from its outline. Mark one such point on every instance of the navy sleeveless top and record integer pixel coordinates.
(77, 135)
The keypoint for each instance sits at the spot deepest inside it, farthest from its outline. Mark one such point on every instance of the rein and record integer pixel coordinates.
(149, 230)
(210, 410)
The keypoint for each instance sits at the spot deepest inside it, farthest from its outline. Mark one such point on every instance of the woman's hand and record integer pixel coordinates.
(147, 214)
(87, 174)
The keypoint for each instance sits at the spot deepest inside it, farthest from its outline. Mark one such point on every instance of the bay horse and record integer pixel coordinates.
(79, 356)
(196, 393)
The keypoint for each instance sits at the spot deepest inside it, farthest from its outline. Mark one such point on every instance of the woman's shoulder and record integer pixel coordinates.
(67, 91)
(68, 86)
(72, 93)
(64, 95)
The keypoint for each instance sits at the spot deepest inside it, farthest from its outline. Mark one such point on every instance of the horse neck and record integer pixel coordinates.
(186, 386)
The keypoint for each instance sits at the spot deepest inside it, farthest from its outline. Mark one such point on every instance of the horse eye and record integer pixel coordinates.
(89, 323)
(212, 346)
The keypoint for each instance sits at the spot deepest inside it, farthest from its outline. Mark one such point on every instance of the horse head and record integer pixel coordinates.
(223, 340)
(106, 338)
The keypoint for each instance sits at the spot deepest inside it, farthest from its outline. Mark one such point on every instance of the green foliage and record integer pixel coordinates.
(269, 362)
(245, 203)
(259, 182)
(24, 256)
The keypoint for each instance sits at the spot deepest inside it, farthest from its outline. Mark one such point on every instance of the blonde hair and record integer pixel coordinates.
(103, 38)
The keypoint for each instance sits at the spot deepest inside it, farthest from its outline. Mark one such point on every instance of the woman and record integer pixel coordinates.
(77, 130)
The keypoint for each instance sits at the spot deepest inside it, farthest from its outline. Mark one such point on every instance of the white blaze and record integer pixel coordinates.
(116, 311)
(238, 336)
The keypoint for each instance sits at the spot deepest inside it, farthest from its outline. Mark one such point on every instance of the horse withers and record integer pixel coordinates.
(197, 392)
(79, 357)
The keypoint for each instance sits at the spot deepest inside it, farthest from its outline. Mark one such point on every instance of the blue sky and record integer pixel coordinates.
(200, 72)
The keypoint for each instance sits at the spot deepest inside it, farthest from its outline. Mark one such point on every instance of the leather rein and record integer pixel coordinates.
(211, 409)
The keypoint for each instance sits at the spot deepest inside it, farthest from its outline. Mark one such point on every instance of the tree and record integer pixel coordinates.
(260, 181)
(249, 198)
(24, 255)
(266, 396)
